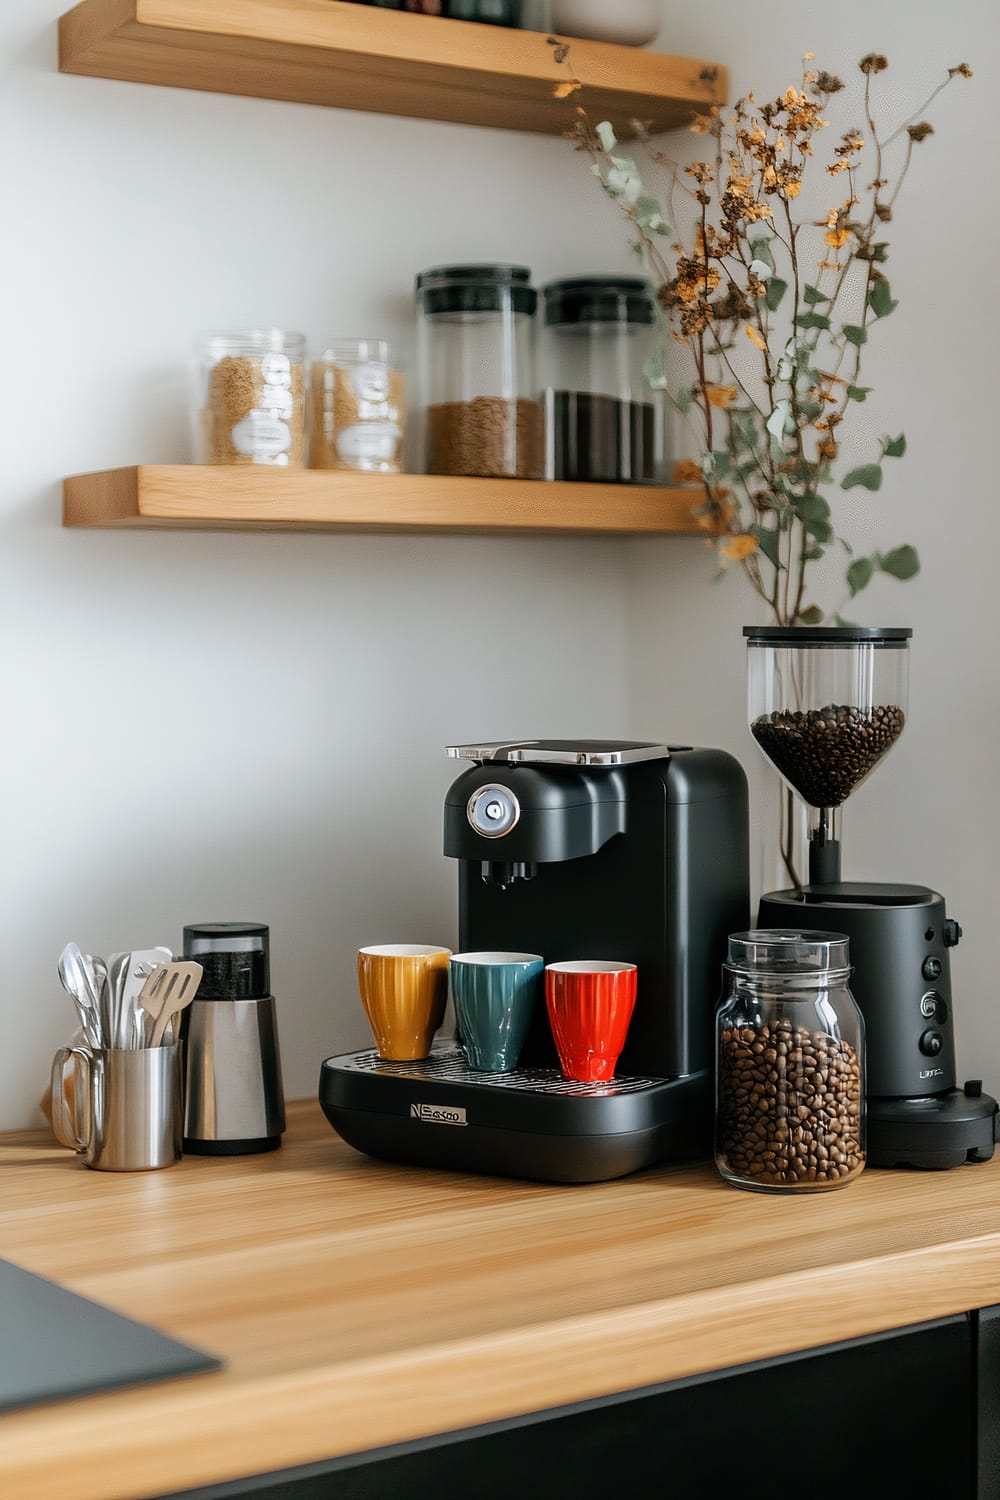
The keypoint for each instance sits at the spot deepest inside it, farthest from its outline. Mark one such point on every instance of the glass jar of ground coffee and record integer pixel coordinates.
(604, 421)
(249, 398)
(479, 411)
(790, 1110)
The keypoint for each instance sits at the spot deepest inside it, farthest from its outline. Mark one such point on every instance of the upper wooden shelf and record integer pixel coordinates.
(391, 62)
(187, 497)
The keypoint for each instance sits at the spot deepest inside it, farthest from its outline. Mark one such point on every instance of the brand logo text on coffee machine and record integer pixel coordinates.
(438, 1114)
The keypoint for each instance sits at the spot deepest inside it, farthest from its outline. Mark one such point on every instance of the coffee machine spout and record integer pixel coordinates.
(503, 873)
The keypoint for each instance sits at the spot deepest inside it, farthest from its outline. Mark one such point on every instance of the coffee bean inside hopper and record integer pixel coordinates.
(826, 752)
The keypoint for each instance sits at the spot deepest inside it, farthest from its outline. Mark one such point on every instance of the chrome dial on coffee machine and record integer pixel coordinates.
(594, 855)
(826, 704)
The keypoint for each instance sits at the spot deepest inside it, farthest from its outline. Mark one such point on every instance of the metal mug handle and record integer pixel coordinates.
(64, 1119)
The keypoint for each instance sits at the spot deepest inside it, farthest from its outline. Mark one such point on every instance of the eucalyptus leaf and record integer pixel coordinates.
(656, 375)
(821, 531)
(811, 616)
(868, 475)
(776, 289)
(812, 553)
(763, 270)
(606, 135)
(896, 448)
(779, 421)
(859, 392)
(811, 295)
(786, 366)
(901, 562)
(855, 335)
(767, 541)
(813, 320)
(811, 508)
(860, 574)
(880, 299)
(684, 399)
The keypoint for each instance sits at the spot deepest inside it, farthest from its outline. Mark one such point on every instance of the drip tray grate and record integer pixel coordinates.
(448, 1065)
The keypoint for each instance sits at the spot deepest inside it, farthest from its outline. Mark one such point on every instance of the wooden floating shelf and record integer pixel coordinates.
(391, 62)
(191, 498)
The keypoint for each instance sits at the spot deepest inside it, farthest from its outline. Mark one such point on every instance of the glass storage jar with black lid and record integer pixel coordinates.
(790, 1106)
(604, 422)
(476, 366)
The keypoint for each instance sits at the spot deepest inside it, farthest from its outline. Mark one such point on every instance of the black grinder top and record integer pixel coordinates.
(235, 959)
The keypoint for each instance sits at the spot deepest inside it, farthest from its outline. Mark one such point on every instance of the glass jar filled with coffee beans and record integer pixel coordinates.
(604, 421)
(790, 1110)
(475, 349)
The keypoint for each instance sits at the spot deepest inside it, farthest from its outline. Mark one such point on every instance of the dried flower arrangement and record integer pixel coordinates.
(742, 285)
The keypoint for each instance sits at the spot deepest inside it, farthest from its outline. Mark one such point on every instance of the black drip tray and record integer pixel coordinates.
(54, 1344)
(530, 1123)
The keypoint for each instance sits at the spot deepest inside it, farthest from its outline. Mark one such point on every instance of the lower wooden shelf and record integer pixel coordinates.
(192, 498)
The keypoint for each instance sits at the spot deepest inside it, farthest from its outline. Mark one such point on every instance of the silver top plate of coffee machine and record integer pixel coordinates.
(562, 752)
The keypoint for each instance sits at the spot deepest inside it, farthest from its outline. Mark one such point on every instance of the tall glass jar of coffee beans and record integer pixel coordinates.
(790, 1104)
(475, 350)
(604, 421)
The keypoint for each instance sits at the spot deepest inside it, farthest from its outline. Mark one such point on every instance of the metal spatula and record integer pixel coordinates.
(166, 992)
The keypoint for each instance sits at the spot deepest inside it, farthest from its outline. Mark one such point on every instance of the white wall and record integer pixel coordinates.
(202, 727)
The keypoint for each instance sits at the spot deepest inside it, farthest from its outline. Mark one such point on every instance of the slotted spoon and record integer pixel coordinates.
(166, 992)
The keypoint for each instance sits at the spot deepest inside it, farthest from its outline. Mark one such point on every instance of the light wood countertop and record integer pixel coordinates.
(358, 1304)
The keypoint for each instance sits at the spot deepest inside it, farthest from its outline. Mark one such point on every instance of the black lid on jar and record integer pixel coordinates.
(598, 299)
(493, 287)
(828, 635)
(235, 958)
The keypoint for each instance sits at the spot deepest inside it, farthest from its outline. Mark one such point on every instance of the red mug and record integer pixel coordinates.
(590, 1004)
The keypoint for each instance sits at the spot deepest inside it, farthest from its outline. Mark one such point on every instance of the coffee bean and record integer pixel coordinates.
(788, 1116)
(825, 753)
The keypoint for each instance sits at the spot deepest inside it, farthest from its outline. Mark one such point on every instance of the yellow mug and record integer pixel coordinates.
(404, 990)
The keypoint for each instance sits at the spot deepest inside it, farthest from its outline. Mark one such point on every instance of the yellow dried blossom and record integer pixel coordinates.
(736, 548)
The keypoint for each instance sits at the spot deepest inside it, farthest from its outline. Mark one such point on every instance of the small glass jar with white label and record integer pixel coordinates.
(358, 407)
(249, 399)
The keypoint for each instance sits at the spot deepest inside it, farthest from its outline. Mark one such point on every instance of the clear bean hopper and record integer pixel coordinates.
(826, 705)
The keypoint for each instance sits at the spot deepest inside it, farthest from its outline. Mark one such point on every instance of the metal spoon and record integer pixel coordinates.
(78, 982)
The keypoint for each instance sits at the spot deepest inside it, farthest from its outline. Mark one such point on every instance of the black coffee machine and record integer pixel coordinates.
(825, 705)
(597, 849)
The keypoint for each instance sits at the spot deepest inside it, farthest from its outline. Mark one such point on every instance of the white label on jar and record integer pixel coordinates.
(277, 400)
(368, 442)
(276, 369)
(261, 436)
(371, 381)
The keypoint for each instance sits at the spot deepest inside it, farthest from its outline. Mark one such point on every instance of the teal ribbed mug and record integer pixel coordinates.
(495, 996)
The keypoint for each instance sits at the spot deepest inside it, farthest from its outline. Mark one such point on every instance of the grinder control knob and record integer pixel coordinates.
(931, 1043)
(493, 810)
(951, 932)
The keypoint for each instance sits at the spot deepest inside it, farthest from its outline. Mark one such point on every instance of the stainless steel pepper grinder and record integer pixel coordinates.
(233, 1101)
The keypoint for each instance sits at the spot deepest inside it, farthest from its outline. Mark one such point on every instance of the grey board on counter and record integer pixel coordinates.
(55, 1344)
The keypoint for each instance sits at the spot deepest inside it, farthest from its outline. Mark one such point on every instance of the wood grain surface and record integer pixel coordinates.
(189, 497)
(335, 53)
(359, 1304)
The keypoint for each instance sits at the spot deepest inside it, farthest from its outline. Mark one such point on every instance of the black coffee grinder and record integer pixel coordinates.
(573, 849)
(826, 704)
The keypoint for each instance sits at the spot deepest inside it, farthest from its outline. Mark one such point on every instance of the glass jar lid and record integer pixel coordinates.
(776, 951)
(598, 299)
(893, 636)
(492, 287)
